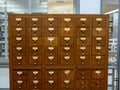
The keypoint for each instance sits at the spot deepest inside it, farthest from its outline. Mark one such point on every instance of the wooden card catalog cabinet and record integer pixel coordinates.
(58, 52)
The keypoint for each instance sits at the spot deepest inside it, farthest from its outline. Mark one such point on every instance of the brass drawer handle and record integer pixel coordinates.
(19, 48)
(83, 39)
(99, 19)
(66, 48)
(98, 38)
(19, 58)
(51, 48)
(98, 57)
(98, 72)
(19, 82)
(50, 82)
(82, 48)
(18, 19)
(35, 48)
(67, 29)
(18, 29)
(34, 38)
(35, 57)
(34, 19)
(51, 29)
(66, 57)
(51, 72)
(98, 47)
(99, 29)
(66, 82)
(35, 82)
(34, 29)
(67, 19)
(50, 58)
(18, 38)
(35, 73)
(67, 38)
(67, 72)
(51, 39)
(83, 29)
(50, 19)
(83, 19)
(82, 57)
(19, 73)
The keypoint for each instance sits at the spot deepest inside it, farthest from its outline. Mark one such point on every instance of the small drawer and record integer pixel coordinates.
(83, 60)
(84, 21)
(35, 84)
(51, 74)
(19, 60)
(51, 21)
(83, 50)
(67, 31)
(33, 22)
(35, 74)
(98, 41)
(51, 60)
(83, 41)
(67, 50)
(51, 32)
(67, 74)
(19, 75)
(99, 50)
(83, 74)
(51, 41)
(18, 22)
(99, 21)
(18, 41)
(67, 60)
(35, 31)
(97, 84)
(35, 41)
(99, 31)
(35, 50)
(36, 59)
(68, 21)
(83, 32)
(51, 84)
(98, 60)
(67, 41)
(18, 32)
(82, 84)
(98, 74)
(51, 50)
(20, 85)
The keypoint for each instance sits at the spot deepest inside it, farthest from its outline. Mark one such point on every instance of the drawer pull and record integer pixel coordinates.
(99, 29)
(35, 48)
(98, 38)
(34, 19)
(18, 29)
(34, 29)
(19, 82)
(99, 19)
(51, 39)
(83, 39)
(18, 19)
(67, 19)
(83, 19)
(50, 82)
(35, 57)
(51, 48)
(98, 72)
(35, 72)
(19, 58)
(34, 38)
(66, 48)
(67, 38)
(50, 58)
(18, 48)
(35, 81)
(82, 48)
(66, 57)
(66, 81)
(50, 19)
(18, 39)
(19, 73)
(98, 57)
(98, 47)
(51, 29)
(83, 29)
(67, 29)
(51, 72)
(82, 57)
(67, 72)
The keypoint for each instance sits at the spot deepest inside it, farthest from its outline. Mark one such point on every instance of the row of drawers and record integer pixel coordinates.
(96, 31)
(59, 22)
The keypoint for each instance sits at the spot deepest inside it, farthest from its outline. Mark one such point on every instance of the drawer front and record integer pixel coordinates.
(35, 41)
(18, 21)
(98, 60)
(51, 50)
(99, 21)
(35, 74)
(51, 60)
(83, 60)
(67, 74)
(99, 31)
(19, 60)
(18, 31)
(51, 31)
(51, 84)
(51, 21)
(97, 84)
(98, 41)
(20, 85)
(67, 60)
(99, 50)
(19, 75)
(51, 41)
(36, 50)
(83, 41)
(34, 31)
(83, 21)
(83, 50)
(98, 74)
(67, 51)
(83, 32)
(67, 41)
(82, 74)
(36, 60)
(18, 41)
(33, 22)
(67, 32)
